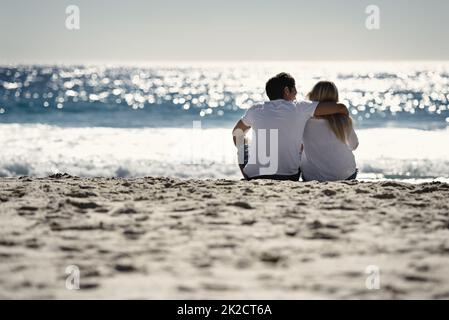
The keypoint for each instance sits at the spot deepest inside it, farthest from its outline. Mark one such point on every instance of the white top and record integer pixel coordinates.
(325, 157)
(279, 151)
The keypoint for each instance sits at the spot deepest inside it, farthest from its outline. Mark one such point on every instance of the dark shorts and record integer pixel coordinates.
(352, 177)
(294, 177)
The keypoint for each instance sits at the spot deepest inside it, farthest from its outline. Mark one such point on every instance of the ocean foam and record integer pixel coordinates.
(40, 150)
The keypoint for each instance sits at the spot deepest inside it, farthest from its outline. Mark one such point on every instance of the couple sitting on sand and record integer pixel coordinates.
(313, 139)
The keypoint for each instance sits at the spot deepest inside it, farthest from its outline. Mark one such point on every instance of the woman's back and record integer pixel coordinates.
(325, 157)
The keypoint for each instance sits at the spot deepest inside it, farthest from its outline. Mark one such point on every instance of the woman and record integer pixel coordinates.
(328, 141)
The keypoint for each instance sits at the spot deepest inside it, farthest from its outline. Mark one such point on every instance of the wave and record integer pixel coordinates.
(41, 150)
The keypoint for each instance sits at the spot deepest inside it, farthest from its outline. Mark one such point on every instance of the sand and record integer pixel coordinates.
(162, 238)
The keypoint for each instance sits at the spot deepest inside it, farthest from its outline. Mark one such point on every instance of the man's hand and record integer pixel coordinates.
(239, 132)
(327, 108)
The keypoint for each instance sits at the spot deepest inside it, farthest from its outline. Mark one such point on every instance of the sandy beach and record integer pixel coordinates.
(162, 238)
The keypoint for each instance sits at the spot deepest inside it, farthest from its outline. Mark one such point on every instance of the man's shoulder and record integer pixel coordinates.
(258, 106)
(271, 104)
(306, 106)
(283, 105)
(300, 103)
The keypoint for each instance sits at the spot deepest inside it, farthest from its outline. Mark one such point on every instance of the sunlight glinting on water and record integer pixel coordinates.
(374, 92)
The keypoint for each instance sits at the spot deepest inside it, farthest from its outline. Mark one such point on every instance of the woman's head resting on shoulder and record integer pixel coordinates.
(340, 124)
(324, 91)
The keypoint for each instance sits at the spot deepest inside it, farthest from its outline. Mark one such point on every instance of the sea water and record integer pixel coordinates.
(141, 120)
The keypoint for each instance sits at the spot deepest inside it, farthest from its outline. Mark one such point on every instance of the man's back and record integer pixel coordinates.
(278, 126)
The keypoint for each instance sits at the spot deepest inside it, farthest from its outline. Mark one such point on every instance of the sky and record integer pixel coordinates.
(235, 30)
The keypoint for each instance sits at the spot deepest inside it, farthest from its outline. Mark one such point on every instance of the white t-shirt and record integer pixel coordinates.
(325, 157)
(278, 128)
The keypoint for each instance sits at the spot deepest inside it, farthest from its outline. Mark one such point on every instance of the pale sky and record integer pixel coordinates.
(155, 30)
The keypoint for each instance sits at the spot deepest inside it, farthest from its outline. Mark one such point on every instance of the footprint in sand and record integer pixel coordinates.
(418, 278)
(141, 218)
(291, 231)
(125, 267)
(319, 235)
(69, 249)
(18, 193)
(241, 204)
(271, 257)
(185, 208)
(225, 183)
(7, 243)
(133, 234)
(141, 198)
(183, 288)
(384, 196)
(394, 184)
(329, 192)
(83, 205)
(425, 190)
(125, 210)
(60, 176)
(32, 243)
(315, 225)
(217, 286)
(248, 221)
(26, 210)
(88, 285)
(81, 194)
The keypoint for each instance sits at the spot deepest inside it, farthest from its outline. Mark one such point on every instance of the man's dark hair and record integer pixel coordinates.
(276, 85)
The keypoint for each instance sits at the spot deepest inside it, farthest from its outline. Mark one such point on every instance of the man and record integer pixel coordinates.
(278, 127)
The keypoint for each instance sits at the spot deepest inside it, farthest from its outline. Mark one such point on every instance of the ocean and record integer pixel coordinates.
(167, 119)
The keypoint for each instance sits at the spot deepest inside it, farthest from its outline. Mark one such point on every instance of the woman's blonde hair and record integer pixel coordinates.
(340, 124)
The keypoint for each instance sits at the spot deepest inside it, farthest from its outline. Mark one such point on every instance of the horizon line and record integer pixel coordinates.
(205, 61)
